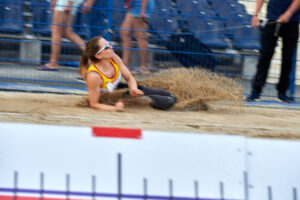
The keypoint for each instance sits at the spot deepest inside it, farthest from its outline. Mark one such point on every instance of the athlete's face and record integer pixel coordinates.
(105, 50)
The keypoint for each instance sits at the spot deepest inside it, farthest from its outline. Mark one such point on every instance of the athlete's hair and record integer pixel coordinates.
(91, 48)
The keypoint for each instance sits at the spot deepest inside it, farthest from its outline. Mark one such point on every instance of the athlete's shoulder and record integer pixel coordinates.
(91, 68)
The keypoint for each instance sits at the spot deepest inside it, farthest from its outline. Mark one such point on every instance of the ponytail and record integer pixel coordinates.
(88, 55)
(84, 64)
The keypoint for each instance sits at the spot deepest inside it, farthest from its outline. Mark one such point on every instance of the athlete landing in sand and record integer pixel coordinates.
(105, 74)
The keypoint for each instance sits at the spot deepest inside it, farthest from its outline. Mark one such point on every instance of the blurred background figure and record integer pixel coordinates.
(138, 13)
(64, 11)
(282, 21)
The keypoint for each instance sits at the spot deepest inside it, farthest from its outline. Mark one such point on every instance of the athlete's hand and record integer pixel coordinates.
(136, 92)
(119, 105)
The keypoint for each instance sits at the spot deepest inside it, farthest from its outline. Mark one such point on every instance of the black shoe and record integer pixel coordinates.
(161, 102)
(282, 97)
(253, 97)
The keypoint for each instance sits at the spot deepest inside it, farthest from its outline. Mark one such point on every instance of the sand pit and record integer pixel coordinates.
(194, 89)
(224, 114)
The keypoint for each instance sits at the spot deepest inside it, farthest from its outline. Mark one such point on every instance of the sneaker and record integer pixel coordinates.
(253, 97)
(161, 102)
(79, 79)
(282, 97)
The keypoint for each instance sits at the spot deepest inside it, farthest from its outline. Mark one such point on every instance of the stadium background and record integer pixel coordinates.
(223, 26)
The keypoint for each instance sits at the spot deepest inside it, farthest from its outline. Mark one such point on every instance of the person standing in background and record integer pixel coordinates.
(63, 16)
(138, 13)
(282, 21)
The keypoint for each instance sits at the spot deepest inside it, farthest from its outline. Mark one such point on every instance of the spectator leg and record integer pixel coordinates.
(290, 33)
(69, 33)
(126, 37)
(56, 35)
(141, 37)
(268, 43)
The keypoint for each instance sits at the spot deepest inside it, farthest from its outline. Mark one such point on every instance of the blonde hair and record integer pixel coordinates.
(91, 49)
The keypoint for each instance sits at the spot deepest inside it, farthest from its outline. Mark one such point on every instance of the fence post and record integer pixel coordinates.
(293, 75)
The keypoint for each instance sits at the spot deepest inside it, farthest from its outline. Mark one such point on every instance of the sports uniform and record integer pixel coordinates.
(159, 99)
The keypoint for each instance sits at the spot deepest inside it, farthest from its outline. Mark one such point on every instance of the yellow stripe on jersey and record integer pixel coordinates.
(108, 83)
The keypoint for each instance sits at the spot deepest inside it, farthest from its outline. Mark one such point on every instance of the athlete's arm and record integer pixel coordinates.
(134, 91)
(93, 82)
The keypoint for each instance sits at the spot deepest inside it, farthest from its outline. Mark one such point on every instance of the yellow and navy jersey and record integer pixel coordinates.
(108, 83)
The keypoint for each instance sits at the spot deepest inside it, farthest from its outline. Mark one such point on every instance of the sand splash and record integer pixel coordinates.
(194, 88)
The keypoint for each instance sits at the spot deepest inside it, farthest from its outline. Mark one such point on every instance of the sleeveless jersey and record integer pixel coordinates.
(108, 83)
